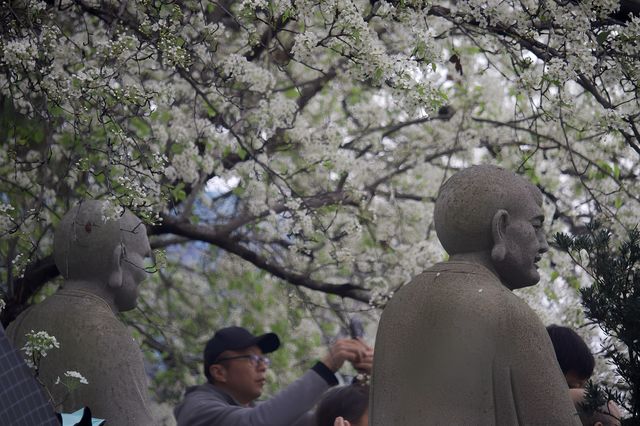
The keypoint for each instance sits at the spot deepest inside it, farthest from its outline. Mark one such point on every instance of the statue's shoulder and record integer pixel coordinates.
(36, 317)
(464, 268)
(461, 277)
(451, 289)
(71, 319)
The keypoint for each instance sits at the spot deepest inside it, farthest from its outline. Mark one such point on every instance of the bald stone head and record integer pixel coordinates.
(103, 251)
(487, 209)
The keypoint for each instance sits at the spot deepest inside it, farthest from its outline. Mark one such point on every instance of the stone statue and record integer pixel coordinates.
(102, 262)
(455, 346)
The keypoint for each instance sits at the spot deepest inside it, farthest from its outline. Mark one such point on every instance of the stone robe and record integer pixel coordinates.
(97, 345)
(456, 347)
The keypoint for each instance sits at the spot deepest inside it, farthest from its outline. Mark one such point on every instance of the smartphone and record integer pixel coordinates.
(356, 329)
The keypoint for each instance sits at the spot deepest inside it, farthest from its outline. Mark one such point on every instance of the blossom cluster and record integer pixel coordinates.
(37, 345)
(71, 379)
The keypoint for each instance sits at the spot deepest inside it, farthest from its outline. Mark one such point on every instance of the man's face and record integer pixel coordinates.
(615, 414)
(525, 242)
(575, 381)
(364, 420)
(136, 249)
(243, 378)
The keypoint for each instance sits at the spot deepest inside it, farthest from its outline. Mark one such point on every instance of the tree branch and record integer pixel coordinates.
(35, 276)
(209, 235)
(312, 202)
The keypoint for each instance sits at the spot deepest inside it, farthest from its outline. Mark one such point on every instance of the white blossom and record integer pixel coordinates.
(75, 375)
(37, 346)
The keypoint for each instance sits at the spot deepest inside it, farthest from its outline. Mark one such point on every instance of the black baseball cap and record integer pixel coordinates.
(233, 339)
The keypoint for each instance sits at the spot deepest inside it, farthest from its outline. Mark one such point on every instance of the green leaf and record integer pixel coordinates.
(38, 134)
(355, 95)
(420, 49)
(287, 14)
(602, 37)
(140, 125)
(178, 192)
(377, 75)
(166, 116)
(605, 167)
(618, 203)
(574, 283)
(292, 93)
(551, 294)
(616, 171)
(242, 154)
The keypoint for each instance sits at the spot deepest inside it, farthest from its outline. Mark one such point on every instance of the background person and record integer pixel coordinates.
(607, 415)
(344, 405)
(574, 356)
(235, 368)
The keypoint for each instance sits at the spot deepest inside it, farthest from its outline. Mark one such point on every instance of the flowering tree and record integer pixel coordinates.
(301, 143)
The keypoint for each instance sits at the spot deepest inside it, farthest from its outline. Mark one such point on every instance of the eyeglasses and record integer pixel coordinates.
(254, 359)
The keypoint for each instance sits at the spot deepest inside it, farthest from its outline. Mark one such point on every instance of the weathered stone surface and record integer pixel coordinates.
(455, 346)
(102, 264)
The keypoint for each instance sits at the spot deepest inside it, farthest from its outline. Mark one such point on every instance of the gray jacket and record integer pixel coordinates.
(207, 405)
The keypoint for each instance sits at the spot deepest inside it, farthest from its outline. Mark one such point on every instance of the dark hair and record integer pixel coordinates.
(349, 402)
(572, 352)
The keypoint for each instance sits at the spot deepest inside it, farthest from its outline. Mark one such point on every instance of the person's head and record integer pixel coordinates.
(606, 415)
(101, 248)
(349, 402)
(487, 209)
(573, 354)
(234, 361)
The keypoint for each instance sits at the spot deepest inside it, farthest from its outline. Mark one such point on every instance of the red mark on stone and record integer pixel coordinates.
(87, 227)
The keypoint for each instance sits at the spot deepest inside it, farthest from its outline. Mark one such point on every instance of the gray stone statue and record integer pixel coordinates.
(455, 346)
(102, 262)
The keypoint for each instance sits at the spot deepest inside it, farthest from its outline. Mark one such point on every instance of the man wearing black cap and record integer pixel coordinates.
(235, 367)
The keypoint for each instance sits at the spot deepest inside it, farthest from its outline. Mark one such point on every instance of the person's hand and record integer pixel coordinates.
(352, 350)
(365, 364)
(341, 422)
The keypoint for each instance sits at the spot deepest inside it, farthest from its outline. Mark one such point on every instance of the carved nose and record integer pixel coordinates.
(544, 246)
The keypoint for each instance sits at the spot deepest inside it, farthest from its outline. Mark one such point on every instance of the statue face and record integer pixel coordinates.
(525, 243)
(136, 249)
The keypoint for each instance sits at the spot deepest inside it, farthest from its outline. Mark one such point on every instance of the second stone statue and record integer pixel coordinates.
(100, 253)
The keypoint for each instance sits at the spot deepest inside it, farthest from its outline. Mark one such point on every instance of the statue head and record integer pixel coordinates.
(492, 210)
(103, 251)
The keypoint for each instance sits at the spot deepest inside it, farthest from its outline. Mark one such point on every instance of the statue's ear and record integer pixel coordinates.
(498, 230)
(115, 276)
